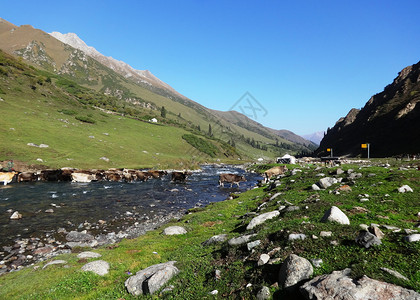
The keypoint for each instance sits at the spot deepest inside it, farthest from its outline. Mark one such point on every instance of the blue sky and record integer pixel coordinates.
(306, 62)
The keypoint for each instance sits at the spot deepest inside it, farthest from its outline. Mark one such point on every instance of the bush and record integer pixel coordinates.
(85, 119)
(68, 112)
(200, 144)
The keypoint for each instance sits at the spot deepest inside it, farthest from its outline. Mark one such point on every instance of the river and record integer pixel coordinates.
(75, 204)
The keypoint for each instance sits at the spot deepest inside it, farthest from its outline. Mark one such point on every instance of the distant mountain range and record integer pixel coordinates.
(389, 121)
(315, 137)
(140, 93)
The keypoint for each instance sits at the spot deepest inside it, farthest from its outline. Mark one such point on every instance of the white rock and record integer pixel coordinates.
(174, 230)
(16, 216)
(325, 233)
(297, 236)
(264, 258)
(262, 218)
(334, 214)
(413, 237)
(54, 262)
(88, 254)
(405, 189)
(99, 267)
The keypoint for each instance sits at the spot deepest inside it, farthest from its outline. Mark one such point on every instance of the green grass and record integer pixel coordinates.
(239, 266)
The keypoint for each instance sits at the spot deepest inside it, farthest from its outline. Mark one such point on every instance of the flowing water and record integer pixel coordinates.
(76, 203)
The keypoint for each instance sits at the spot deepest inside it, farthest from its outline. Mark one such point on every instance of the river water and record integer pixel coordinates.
(77, 203)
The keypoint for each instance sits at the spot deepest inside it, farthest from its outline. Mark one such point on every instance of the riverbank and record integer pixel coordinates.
(106, 211)
(365, 194)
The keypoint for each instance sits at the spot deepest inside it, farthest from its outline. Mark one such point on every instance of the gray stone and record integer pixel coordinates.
(395, 273)
(88, 254)
(262, 218)
(334, 214)
(174, 230)
(16, 216)
(264, 258)
(338, 285)
(253, 244)
(326, 182)
(325, 234)
(55, 262)
(151, 279)
(264, 293)
(99, 267)
(215, 239)
(376, 232)
(315, 187)
(412, 237)
(317, 262)
(367, 239)
(291, 208)
(297, 236)
(88, 244)
(405, 189)
(75, 236)
(240, 240)
(294, 270)
(354, 176)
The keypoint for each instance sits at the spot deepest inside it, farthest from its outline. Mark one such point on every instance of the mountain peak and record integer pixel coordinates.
(73, 40)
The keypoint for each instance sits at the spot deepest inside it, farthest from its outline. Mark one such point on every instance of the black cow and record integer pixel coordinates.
(179, 176)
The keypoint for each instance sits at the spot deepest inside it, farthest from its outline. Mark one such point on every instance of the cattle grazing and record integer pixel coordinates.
(156, 174)
(142, 176)
(50, 175)
(27, 177)
(113, 176)
(279, 170)
(230, 178)
(7, 177)
(179, 176)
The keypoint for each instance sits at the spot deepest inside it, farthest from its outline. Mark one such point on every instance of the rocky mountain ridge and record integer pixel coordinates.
(389, 121)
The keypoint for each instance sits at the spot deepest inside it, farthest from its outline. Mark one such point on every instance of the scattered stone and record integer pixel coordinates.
(104, 158)
(88, 254)
(393, 228)
(262, 218)
(395, 274)
(55, 262)
(367, 239)
(325, 234)
(275, 196)
(253, 244)
(174, 230)
(338, 285)
(101, 222)
(334, 214)
(151, 279)
(240, 240)
(291, 208)
(75, 236)
(326, 182)
(376, 231)
(364, 227)
(16, 216)
(99, 267)
(317, 262)
(354, 176)
(412, 238)
(297, 236)
(264, 258)
(43, 250)
(264, 293)
(315, 187)
(215, 239)
(214, 292)
(405, 189)
(49, 211)
(294, 270)
(217, 274)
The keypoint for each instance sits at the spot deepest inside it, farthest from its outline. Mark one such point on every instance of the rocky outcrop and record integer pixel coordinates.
(339, 285)
(151, 279)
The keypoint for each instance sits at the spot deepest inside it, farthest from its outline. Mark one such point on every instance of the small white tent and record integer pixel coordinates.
(287, 159)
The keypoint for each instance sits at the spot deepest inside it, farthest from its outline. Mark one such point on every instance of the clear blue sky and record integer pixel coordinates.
(306, 62)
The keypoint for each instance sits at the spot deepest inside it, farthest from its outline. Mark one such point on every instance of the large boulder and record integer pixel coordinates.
(174, 230)
(334, 214)
(367, 239)
(99, 267)
(326, 182)
(151, 279)
(258, 220)
(338, 285)
(294, 270)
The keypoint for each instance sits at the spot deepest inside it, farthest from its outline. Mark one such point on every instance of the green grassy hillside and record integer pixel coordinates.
(41, 109)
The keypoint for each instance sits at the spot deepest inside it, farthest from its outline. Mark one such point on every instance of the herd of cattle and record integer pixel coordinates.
(119, 175)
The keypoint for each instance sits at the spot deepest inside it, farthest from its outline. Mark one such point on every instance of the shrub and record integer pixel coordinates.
(200, 144)
(85, 119)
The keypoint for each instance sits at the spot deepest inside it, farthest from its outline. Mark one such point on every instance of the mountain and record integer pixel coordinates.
(389, 121)
(135, 93)
(315, 137)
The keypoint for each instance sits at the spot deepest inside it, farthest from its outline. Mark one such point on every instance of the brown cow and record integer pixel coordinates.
(179, 176)
(156, 174)
(275, 171)
(230, 178)
(142, 176)
(27, 177)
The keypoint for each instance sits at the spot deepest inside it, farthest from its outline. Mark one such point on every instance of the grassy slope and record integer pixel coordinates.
(237, 265)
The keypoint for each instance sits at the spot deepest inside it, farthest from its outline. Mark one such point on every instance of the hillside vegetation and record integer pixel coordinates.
(240, 275)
